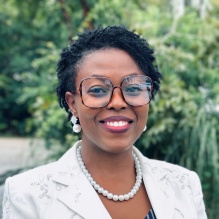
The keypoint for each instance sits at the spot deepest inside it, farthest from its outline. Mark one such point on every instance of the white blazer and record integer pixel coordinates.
(60, 190)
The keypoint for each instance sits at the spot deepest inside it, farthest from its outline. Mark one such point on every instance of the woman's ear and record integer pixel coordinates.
(70, 100)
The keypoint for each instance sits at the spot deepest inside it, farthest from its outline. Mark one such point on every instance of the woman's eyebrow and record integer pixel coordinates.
(96, 75)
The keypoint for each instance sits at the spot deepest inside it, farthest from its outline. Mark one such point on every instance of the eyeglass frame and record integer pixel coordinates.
(79, 89)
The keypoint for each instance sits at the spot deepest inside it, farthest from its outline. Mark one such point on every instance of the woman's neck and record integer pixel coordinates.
(114, 172)
(110, 165)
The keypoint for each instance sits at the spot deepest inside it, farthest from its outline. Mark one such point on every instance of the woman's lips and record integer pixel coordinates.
(116, 124)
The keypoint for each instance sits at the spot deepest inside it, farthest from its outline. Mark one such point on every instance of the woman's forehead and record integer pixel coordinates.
(111, 63)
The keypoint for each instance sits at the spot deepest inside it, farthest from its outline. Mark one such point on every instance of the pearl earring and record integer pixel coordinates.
(145, 128)
(76, 127)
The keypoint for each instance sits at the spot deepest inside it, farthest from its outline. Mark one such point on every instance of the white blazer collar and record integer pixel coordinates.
(161, 196)
(78, 192)
(163, 183)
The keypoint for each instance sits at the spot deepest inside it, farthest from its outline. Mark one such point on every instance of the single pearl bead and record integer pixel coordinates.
(110, 196)
(134, 191)
(81, 162)
(92, 182)
(90, 178)
(138, 180)
(138, 184)
(121, 198)
(87, 174)
(138, 177)
(76, 128)
(135, 187)
(96, 186)
(83, 168)
(100, 190)
(131, 194)
(115, 197)
(126, 197)
(105, 192)
(85, 171)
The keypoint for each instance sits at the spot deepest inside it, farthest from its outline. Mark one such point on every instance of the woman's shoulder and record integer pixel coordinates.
(45, 175)
(169, 168)
(47, 170)
(172, 174)
(30, 178)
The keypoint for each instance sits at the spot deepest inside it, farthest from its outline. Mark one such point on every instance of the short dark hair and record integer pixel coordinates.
(103, 38)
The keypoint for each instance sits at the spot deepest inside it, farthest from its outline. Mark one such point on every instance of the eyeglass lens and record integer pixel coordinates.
(96, 92)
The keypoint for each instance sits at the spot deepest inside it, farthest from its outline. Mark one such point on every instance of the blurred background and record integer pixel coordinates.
(183, 126)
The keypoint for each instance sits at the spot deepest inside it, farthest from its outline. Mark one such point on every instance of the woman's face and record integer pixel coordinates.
(115, 127)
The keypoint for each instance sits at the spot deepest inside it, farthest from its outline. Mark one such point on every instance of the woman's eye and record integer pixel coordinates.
(97, 91)
(133, 88)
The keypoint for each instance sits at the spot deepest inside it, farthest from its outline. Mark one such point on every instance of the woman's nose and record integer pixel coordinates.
(117, 100)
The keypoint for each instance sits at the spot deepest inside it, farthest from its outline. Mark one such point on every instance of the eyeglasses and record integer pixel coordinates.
(96, 92)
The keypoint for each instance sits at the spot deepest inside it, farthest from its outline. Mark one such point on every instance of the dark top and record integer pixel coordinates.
(151, 214)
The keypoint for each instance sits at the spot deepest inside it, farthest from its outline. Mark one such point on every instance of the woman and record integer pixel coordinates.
(106, 81)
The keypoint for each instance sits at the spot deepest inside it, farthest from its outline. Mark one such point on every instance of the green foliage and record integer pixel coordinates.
(183, 121)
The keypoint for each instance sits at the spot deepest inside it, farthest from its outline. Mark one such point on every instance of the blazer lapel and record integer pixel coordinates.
(77, 193)
(82, 199)
(162, 200)
(161, 195)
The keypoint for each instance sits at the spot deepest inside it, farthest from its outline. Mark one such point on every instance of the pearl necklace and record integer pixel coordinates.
(104, 192)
